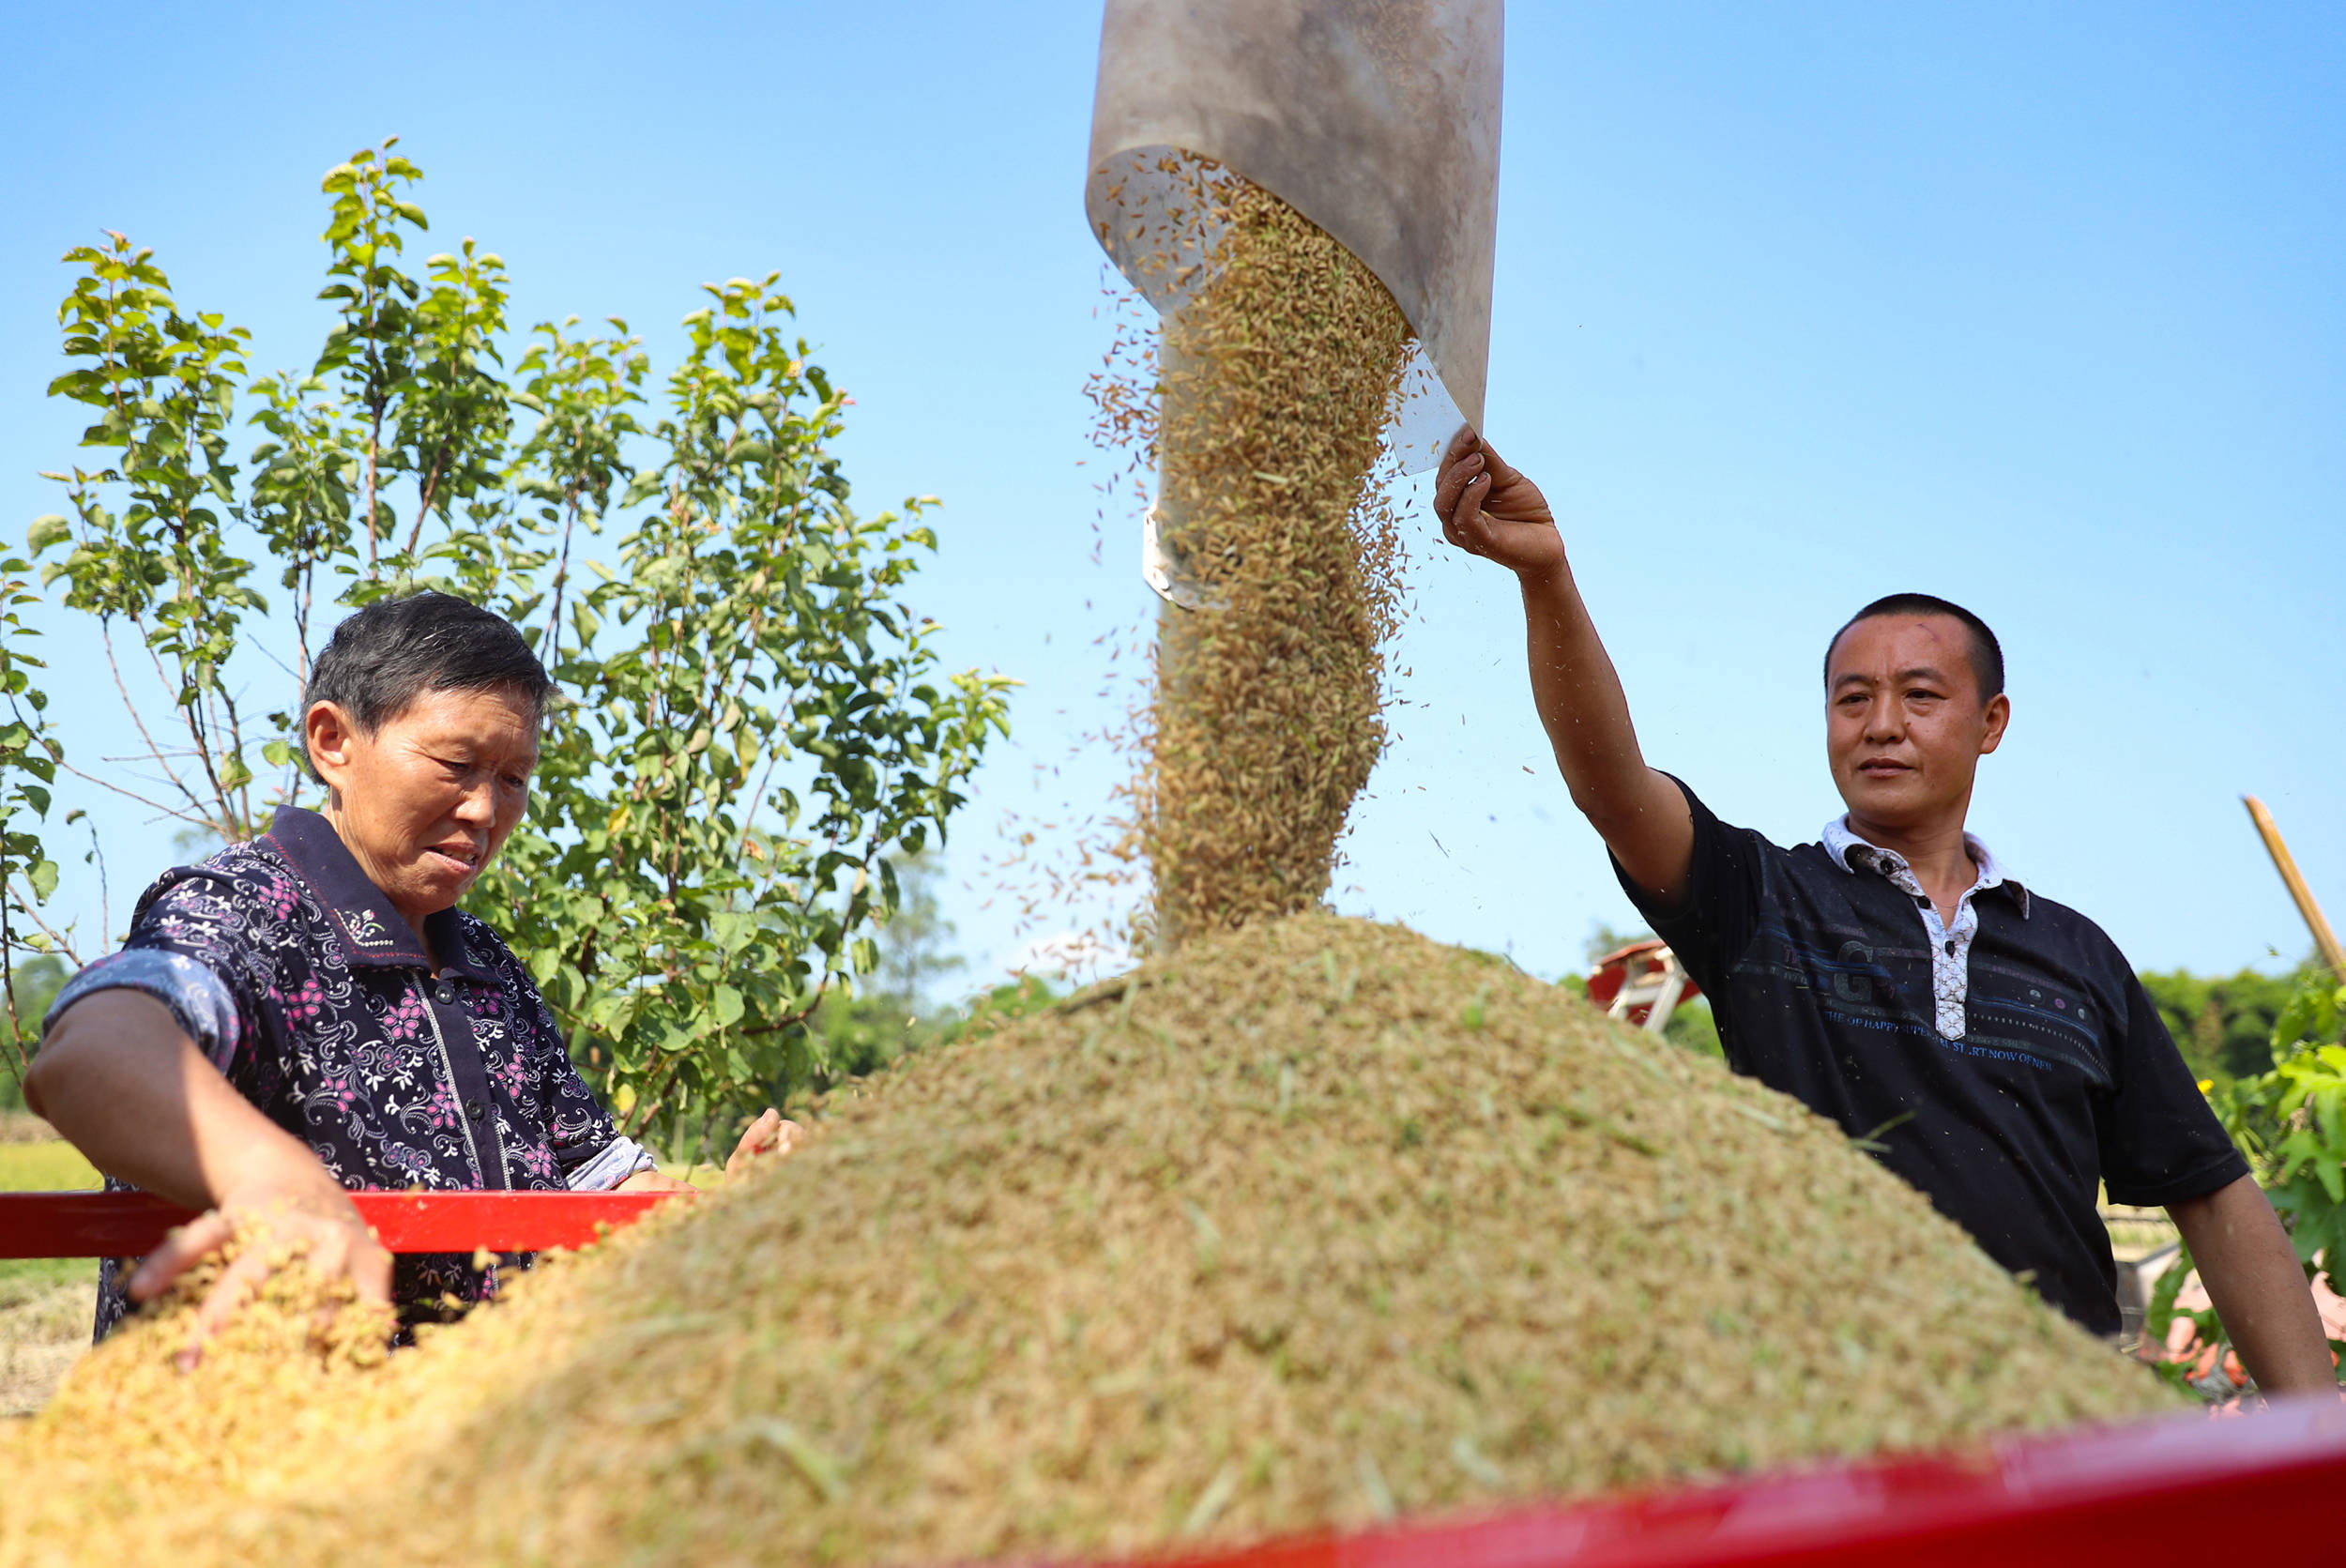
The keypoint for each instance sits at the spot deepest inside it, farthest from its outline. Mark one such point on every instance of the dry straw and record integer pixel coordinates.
(1299, 1226)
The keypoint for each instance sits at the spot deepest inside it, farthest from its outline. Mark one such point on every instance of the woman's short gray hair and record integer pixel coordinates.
(381, 659)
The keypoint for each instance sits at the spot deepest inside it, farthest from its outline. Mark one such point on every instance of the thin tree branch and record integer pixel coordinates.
(56, 938)
(105, 635)
(427, 492)
(19, 1060)
(193, 819)
(235, 749)
(562, 568)
(105, 894)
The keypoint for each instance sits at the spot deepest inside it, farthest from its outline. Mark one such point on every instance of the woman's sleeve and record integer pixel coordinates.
(197, 947)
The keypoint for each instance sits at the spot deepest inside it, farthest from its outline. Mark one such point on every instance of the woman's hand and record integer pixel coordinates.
(768, 1138)
(297, 1212)
(123, 1082)
(654, 1181)
(1490, 510)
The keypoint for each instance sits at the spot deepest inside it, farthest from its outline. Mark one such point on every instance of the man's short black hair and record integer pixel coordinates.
(1986, 654)
(381, 659)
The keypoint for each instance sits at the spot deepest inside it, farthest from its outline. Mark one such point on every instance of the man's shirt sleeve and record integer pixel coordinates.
(2160, 1142)
(1713, 922)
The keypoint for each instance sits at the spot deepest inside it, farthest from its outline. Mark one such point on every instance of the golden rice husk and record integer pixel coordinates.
(1296, 1226)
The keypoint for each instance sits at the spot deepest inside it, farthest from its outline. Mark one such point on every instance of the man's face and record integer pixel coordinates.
(1904, 725)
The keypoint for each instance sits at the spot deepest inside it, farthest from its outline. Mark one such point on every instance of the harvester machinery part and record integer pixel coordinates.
(1376, 119)
(1642, 984)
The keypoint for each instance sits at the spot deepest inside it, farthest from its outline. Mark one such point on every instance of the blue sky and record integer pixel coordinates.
(2036, 307)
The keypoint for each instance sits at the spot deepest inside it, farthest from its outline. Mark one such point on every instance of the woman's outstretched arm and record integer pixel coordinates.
(120, 1079)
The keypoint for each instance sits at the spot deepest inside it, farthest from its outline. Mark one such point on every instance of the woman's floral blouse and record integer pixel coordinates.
(314, 998)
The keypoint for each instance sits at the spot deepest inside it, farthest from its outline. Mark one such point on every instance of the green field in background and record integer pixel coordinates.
(24, 1280)
(54, 1166)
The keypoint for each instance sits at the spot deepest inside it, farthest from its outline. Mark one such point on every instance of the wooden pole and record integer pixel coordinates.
(2323, 937)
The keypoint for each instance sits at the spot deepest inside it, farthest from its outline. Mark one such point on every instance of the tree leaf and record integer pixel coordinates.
(682, 866)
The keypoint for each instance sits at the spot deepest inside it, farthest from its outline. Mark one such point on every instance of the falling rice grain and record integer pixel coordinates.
(1274, 384)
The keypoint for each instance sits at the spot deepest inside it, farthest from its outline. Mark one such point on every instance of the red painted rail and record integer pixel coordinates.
(2267, 1483)
(127, 1224)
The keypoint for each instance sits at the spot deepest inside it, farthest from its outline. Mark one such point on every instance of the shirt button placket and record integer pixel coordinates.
(445, 993)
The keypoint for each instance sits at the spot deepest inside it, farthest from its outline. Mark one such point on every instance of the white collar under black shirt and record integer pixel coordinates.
(1950, 943)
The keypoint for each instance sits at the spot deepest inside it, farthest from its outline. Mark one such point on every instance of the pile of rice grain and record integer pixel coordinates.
(1304, 1226)
(1273, 388)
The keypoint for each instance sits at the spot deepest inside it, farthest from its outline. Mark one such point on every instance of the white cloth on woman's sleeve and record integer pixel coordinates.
(620, 1159)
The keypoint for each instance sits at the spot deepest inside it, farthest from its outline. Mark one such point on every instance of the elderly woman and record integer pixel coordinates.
(309, 1012)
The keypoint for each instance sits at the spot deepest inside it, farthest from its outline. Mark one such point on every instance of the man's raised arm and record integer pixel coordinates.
(1490, 510)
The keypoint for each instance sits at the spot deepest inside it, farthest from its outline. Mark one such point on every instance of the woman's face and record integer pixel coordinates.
(423, 802)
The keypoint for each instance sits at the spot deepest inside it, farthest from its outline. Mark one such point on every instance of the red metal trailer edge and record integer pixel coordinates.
(2268, 1485)
(128, 1224)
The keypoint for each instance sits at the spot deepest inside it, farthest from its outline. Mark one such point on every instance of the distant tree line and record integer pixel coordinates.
(2224, 1024)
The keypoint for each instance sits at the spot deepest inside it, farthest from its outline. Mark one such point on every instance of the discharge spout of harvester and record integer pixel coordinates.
(1231, 140)
(1376, 119)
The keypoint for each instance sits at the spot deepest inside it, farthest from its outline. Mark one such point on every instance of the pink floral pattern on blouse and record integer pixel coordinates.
(317, 1001)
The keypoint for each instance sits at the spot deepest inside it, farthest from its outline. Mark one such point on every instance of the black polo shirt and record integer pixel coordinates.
(2064, 1078)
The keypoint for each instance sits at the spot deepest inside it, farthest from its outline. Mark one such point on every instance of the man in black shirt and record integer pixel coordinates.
(1995, 1044)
